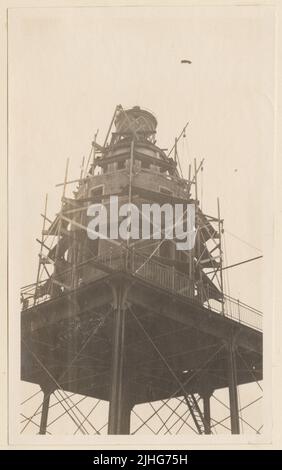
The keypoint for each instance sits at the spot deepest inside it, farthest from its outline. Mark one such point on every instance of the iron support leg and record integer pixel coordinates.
(233, 394)
(207, 412)
(44, 412)
(119, 409)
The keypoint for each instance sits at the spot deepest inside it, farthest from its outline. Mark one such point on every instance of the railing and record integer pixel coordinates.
(151, 270)
(162, 275)
(237, 311)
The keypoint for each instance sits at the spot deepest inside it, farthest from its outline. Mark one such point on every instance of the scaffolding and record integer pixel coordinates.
(138, 293)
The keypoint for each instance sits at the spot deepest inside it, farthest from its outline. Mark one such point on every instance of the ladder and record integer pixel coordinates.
(196, 413)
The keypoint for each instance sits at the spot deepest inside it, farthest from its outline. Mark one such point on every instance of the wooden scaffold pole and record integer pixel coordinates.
(41, 249)
(220, 229)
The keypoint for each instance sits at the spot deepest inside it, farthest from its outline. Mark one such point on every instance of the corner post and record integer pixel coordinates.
(44, 412)
(119, 407)
(207, 411)
(233, 392)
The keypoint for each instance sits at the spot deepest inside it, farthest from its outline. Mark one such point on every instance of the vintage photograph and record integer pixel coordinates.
(140, 148)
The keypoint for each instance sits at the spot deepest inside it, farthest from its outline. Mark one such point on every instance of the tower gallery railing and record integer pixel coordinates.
(148, 269)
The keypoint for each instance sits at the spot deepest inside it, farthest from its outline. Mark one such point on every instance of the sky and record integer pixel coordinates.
(68, 69)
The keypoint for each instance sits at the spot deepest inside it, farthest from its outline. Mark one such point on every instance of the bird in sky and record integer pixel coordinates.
(186, 61)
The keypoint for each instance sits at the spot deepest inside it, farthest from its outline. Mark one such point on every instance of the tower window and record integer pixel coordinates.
(121, 165)
(166, 191)
(145, 164)
(166, 249)
(98, 191)
(110, 167)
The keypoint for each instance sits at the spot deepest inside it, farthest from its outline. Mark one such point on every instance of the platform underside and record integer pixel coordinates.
(172, 345)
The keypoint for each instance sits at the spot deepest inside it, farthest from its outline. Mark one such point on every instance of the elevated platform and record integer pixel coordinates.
(67, 342)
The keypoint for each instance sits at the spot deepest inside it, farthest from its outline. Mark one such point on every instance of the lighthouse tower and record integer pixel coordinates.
(135, 320)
